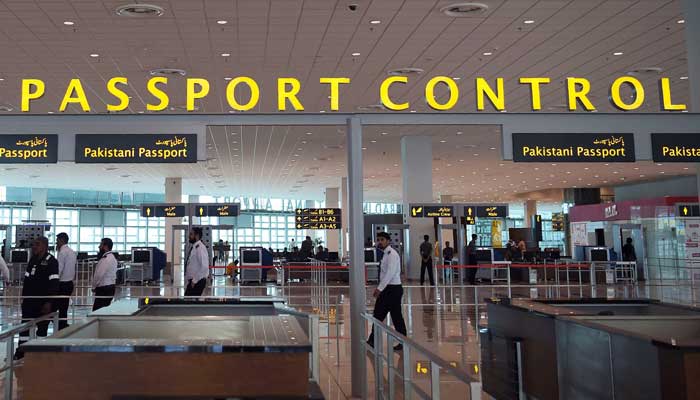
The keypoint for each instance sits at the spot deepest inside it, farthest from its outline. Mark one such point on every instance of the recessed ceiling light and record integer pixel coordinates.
(375, 22)
(225, 54)
(618, 53)
(373, 141)
(309, 133)
(488, 53)
(228, 78)
(356, 54)
(443, 141)
(139, 10)
(683, 78)
(460, 133)
(94, 55)
(68, 23)
(681, 21)
(457, 78)
(529, 21)
(385, 133)
(222, 22)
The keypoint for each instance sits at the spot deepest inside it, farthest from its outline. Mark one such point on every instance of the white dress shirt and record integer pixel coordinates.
(197, 267)
(106, 271)
(67, 259)
(390, 269)
(4, 271)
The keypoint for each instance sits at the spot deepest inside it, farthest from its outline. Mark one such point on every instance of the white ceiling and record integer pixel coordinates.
(309, 39)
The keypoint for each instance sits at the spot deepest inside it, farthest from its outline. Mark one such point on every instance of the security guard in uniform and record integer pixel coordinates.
(105, 276)
(197, 265)
(389, 291)
(40, 281)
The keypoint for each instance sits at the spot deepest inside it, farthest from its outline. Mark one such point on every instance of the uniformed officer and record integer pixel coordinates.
(197, 264)
(389, 292)
(105, 277)
(67, 261)
(40, 281)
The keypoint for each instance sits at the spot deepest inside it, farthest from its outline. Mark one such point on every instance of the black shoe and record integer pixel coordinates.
(398, 347)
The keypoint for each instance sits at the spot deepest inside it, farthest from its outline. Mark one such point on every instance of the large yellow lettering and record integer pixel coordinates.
(231, 93)
(452, 89)
(617, 96)
(666, 99)
(157, 93)
(118, 93)
(32, 89)
(74, 87)
(484, 89)
(577, 89)
(284, 93)
(535, 93)
(335, 90)
(384, 93)
(193, 93)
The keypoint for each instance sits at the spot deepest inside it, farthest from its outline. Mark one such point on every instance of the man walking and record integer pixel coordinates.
(426, 255)
(105, 277)
(389, 291)
(67, 261)
(197, 264)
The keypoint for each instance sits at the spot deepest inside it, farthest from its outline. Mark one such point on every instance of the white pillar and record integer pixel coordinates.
(193, 199)
(530, 212)
(332, 236)
(39, 197)
(173, 194)
(447, 235)
(417, 177)
(345, 211)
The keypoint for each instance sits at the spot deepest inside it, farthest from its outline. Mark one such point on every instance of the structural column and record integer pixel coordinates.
(447, 235)
(173, 239)
(530, 212)
(417, 177)
(344, 211)
(358, 291)
(332, 236)
(691, 14)
(39, 197)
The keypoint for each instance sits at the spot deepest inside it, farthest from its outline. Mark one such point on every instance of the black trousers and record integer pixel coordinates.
(471, 272)
(389, 301)
(31, 309)
(427, 264)
(103, 296)
(197, 289)
(64, 289)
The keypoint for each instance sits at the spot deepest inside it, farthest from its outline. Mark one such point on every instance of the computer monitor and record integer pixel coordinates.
(333, 256)
(599, 254)
(141, 256)
(251, 257)
(370, 255)
(19, 256)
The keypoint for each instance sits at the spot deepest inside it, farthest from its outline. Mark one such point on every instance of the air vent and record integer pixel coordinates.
(333, 147)
(6, 108)
(464, 9)
(167, 72)
(183, 108)
(139, 10)
(372, 107)
(405, 71)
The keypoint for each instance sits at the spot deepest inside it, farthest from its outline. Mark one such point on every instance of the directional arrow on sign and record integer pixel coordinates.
(298, 226)
(148, 211)
(685, 211)
(201, 211)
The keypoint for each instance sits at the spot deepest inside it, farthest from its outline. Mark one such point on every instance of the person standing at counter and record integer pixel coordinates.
(389, 291)
(67, 260)
(40, 282)
(471, 259)
(105, 275)
(197, 265)
(426, 255)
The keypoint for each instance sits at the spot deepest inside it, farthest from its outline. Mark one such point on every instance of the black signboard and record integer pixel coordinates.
(416, 211)
(469, 215)
(537, 226)
(217, 210)
(135, 148)
(28, 149)
(675, 147)
(318, 218)
(688, 210)
(573, 147)
(491, 211)
(149, 211)
(438, 211)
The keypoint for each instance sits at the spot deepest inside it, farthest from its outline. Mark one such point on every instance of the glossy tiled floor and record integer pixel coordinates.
(444, 320)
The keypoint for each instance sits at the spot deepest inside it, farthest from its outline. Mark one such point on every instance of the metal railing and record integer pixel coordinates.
(8, 337)
(384, 333)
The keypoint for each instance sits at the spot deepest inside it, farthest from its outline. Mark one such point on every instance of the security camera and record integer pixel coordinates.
(352, 7)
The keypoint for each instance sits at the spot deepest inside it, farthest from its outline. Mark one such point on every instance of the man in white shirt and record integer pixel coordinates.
(389, 292)
(105, 275)
(67, 260)
(197, 265)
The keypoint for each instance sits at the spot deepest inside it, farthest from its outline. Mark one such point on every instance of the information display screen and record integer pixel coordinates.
(573, 147)
(28, 149)
(135, 148)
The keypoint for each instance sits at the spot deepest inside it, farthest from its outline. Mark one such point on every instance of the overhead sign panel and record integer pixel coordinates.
(675, 147)
(170, 211)
(217, 210)
(470, 215)
(136, 148)
(492, 211)
(28, 149)
(318, 218)
(688, 210)
(438, 211)
(573, 147)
